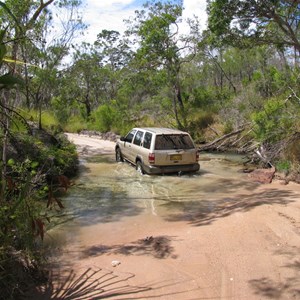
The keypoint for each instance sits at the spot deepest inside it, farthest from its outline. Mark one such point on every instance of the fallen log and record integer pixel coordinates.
(219, 142)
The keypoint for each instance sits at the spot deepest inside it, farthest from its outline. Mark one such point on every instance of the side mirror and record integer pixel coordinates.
(122, 139)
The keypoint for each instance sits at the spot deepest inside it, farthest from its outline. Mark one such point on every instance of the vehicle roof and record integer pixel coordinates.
(161, 130)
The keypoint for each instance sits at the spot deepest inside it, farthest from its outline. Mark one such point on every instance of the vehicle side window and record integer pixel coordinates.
(130, 135)
(138, 138)
(147, 140)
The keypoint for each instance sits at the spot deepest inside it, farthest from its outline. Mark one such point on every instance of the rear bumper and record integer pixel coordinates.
(171, 169)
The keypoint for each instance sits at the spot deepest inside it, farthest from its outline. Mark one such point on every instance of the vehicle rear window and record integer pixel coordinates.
(147, 140)
(172, 141)
(138, 138)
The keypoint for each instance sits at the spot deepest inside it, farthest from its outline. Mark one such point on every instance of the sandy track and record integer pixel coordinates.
(87, 145)
(247, 250)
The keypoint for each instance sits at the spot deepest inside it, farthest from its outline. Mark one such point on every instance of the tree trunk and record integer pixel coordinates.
(179, 95)
(4, 170)
(4, 148)
(40, 116)
(87, 107)
(179, 125)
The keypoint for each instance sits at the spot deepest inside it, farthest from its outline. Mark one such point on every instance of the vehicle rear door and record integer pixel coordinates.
(174, 149)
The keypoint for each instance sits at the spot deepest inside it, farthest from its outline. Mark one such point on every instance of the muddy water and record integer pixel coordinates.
(115, 194)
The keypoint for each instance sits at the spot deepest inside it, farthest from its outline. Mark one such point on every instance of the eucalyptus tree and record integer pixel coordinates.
(23, 30)
(113, 49)
(40, 46)
(80, 82)
(272, 24)
(248, 23)
(162, 49)
(53, 53)
(114, 53)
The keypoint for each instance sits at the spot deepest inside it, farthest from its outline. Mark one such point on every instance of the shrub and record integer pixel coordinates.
(75, 124)
(292, 153)
(283, 166)
(104, 118)
(201, 120)
(272, 123)
(61, 110)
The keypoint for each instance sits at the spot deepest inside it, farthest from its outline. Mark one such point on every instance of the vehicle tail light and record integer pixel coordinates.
(197, 156)
(151, 158)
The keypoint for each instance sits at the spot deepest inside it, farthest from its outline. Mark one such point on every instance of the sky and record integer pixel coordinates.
(109, 14)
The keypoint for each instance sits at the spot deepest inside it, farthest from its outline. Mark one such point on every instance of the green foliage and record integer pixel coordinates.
(109, 117)
(60, 110)
(270, 82)
(75, 124)
(23, 214)
(231, 23)
(283, 166)
(54, 155)
(49, 119)
(292, 152)
(273, 122)
(19, 208)
(257, 75)
(202, 119)
(198, 122)
(104, 117)
(203, 97)
(23, 210)
(160, 47)
(30, 162)
(228, 127)
(7, 81)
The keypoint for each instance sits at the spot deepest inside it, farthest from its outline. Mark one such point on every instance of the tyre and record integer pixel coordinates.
(119, 156)
(139, 167)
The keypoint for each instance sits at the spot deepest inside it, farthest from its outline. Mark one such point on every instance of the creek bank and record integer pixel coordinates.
(267, 175)
(262, 156)
(37, 165)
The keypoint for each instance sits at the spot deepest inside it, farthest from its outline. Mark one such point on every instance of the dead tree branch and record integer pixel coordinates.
(216, 144)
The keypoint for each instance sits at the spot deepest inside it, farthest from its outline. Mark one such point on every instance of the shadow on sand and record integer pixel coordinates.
(158, 247)
(103, 284)
(205, 212)
(286, 288)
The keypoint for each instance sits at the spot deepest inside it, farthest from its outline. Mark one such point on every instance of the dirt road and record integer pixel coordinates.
(247, 248)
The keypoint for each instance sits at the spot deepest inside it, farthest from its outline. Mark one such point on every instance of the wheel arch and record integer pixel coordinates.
(139, 158)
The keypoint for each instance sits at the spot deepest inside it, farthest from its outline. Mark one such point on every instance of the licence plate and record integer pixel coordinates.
(175, 157)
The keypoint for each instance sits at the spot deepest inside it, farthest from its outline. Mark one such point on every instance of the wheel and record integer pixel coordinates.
(119, 156)
(139, 167)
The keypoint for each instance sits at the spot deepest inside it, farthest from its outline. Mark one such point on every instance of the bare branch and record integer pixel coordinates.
(33, 19)
(294, 94)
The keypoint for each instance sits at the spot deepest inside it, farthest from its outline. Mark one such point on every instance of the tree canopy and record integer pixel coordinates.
(248, 23)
